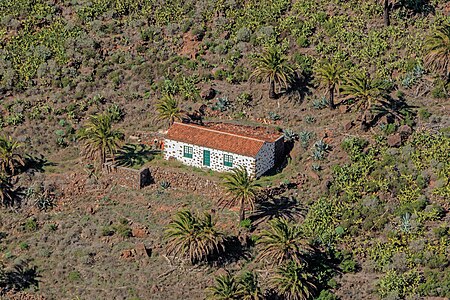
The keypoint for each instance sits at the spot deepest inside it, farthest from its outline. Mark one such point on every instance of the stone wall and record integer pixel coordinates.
(265, 159)
(128, 177)
(188, 182)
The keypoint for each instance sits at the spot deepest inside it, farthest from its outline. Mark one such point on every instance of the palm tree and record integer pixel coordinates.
(168, 109)
(330, 74)
(242, 188)
(282, 242)
(228, 287)
(438, 51)
(387, 5)
(273, 66)
(100, 139)
(9, 157)
(366, 91)
(192, 237)
(248, 287)
(225, 288)
(293, 282)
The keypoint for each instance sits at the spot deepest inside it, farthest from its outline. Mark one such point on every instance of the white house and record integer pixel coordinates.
(222, 147)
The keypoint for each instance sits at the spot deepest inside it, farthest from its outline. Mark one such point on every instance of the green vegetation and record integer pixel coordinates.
(349, 213)
(99, 138)
(193, 237)
(242, 189)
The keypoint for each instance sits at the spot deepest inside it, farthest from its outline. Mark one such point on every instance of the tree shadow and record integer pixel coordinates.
(35, 164)
(299, 88)
(392, 109)
(233, 252)
(9, 195)
(21, 277)
(323, 267)
(282, 207)
(135, 155)
(418, 6)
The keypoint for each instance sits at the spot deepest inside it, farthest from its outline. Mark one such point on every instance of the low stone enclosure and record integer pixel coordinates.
(147, 176)
(184, 180)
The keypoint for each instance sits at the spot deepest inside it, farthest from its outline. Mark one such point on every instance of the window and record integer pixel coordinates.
(187, 151)
(227, 160)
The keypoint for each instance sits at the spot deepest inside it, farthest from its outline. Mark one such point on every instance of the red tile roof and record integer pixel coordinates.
(241, 140)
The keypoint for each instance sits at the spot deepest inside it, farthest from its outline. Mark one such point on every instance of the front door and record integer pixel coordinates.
(206, 157)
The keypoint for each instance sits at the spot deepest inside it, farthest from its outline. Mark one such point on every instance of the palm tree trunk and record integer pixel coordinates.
(272, 94)
(242, 211)
(386, 5)
(331, 102)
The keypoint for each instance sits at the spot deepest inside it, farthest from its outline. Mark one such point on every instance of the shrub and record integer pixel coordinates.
(349, 266)
(424, 114)
(74, 276)
(24, 246)
(31, 224)
(354, 146)
(123, 228)
(246, 223)
(243, 35)
(394, 284)
(326, 295)
(107, 231)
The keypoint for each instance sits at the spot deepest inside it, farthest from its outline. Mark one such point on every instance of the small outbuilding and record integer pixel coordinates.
(222, 147)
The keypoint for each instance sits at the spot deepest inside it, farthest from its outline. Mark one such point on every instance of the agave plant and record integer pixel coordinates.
(282, 242)
(193, 237)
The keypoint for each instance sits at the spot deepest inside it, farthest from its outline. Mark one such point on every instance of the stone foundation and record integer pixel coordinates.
(187, 181)
(128, 177)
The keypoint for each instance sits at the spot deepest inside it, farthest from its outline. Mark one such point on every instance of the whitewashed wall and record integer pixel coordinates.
(174, 149)
(265, 159)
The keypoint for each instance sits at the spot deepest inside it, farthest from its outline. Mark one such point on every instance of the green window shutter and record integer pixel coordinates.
(227, 160)
(188, 151)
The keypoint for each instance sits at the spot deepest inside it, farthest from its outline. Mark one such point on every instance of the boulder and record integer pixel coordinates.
(127, 254)
(142, 251)
(343, 108)
(349, 125)
(138, 232)
(405, 131)
(394, 140)
(313, 175)
(208, 94)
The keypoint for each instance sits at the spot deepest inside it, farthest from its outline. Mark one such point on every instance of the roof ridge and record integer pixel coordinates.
(223, 132)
